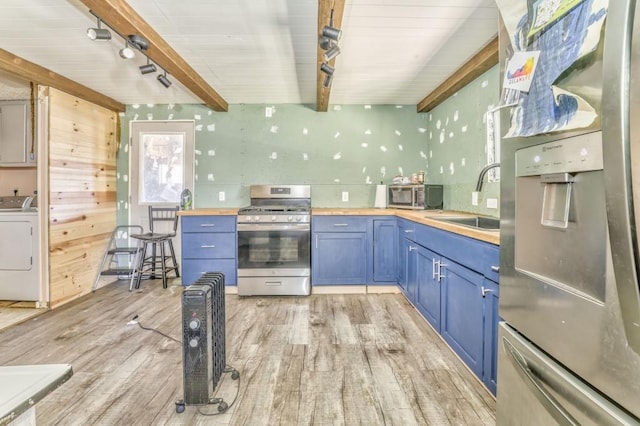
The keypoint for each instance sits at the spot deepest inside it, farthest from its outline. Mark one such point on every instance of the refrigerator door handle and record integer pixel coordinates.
(534, 382)
(617, 133)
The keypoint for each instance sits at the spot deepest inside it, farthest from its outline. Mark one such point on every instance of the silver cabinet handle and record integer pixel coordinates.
(435, 269)
(408, 231)
(486, 291)
(316, 240)
(412, 248)
(207, 246)
(495, 268)
(207, 225)
(340, 224)
(441, 275)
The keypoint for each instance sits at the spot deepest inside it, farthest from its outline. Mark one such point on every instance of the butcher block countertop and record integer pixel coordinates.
(426, 217)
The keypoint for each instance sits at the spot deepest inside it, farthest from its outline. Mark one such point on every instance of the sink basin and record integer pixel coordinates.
(477, 222)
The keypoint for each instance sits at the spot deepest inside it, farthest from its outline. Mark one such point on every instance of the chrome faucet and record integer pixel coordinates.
(484, 172)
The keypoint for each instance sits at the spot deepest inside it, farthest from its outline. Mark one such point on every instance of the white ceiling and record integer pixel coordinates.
(260, 51)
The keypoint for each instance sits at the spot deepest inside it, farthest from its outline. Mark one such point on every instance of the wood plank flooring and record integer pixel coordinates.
(317, 360)
(12, 312)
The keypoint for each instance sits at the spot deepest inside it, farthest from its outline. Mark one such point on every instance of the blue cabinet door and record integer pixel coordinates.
(462, 325)
(339, 258)
(428, 295)
(403, 263)
(384, 250)
(491, 319)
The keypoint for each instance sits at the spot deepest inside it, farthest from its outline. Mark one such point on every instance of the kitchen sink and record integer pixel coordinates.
(478, 222)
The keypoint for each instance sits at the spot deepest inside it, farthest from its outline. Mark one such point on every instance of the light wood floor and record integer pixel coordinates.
(317, 360)
(12, 313)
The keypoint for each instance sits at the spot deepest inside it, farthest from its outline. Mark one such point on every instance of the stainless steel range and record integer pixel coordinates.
(274, 241)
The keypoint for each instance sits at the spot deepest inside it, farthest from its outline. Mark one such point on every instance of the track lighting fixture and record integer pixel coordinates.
(326, 68)
(162, 78)
(138, 42)
(148, 68)
(331, 33)
(99, 33)
(126, 52)
(327, 80)
(325, 43)
(332, 52)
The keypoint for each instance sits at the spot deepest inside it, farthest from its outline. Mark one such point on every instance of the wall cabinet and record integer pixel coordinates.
(209, 245)
(15, 134)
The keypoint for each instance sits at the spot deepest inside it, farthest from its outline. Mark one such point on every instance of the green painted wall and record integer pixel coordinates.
(457, 144)
(350, 148)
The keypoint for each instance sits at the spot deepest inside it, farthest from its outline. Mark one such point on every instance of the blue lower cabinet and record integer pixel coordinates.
(491, 318)
(462, 313)
(209, 244)
(385, 265)
(339, 258)
(428, 287)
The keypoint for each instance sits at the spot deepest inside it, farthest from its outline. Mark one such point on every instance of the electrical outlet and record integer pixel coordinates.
(492, 203)
(474, 198)
(345, 196)
(221, 196)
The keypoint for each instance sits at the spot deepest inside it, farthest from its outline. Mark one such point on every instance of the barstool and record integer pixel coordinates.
(151, 241)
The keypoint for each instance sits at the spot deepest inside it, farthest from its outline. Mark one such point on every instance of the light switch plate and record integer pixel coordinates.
(492, 203)
(345, 196)
(221, 196)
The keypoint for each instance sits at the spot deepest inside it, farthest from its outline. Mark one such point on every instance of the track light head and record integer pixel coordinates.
(325, 43)
(148, 68)
(127, 53)
(332, 52)
(99, 33)
(326, 68)
(162, 78)
(327, 80)
(331, 33)
(138, 42)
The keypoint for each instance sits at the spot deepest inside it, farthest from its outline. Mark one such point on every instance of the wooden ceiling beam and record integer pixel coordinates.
(324, 16)
(486, 58)
(30, 72)
(122, 18)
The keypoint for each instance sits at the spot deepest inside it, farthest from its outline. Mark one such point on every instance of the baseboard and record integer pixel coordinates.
(381, 289)
(339, 289)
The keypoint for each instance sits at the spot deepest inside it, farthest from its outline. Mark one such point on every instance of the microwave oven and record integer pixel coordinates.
(415, 197)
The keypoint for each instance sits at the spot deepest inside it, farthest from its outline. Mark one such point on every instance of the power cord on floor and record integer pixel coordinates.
(235, 375)
(134, 320)
(223, 407)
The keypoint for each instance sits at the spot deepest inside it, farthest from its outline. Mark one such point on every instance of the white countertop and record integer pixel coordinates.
(22, 386)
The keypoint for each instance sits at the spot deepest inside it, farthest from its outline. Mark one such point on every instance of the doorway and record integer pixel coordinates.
(161, 166)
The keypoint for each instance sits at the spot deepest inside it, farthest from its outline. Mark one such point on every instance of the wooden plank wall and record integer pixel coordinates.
(82, 192)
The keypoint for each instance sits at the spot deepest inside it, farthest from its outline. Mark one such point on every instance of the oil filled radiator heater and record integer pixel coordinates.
(203, 341)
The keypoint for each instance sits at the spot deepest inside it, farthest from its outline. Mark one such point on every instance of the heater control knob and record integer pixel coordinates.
(194, 324)
(193, 342)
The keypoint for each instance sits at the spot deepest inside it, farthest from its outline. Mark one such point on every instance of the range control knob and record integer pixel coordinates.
(256, 218)
(298, 218)
(289, 218)
(194, 324)
(273, 218)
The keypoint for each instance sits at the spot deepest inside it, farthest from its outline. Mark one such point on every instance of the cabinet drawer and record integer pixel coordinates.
(339, 224)
(192, 269)
(209, 245)
(208, 223)
(406, 229)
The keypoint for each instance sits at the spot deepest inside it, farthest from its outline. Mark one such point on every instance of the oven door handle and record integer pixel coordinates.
(274, 227)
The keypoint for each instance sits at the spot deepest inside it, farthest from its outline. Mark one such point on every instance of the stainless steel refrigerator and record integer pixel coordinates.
(569, 346)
